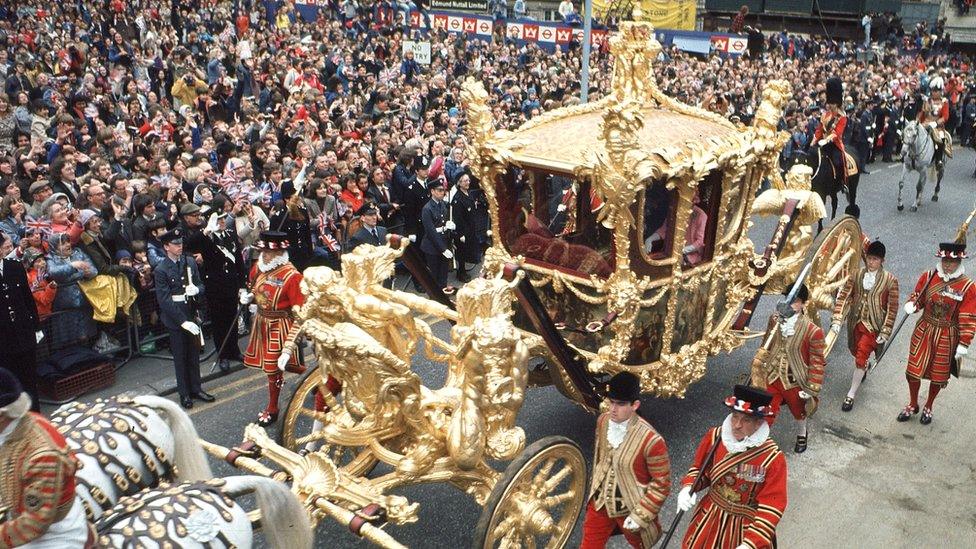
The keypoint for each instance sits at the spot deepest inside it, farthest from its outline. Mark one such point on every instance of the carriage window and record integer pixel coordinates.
(703, 221)
(556, 225)
(660, 217)
(659, 206)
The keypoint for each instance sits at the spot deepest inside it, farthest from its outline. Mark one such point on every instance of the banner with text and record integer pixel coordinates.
(663, 14)
(473, 6)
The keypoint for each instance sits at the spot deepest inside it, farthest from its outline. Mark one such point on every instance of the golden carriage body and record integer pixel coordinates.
(592, 269)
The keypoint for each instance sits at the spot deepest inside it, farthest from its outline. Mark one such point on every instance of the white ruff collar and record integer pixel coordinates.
(870, 279)
(788, 326)
(616, 432)
(736, 446)
(950, 276)
(273, 264)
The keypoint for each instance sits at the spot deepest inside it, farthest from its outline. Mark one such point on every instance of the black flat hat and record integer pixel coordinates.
(10, 388)
(750, 400)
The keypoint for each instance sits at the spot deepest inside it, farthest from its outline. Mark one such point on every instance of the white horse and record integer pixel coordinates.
(198, 515)
(127, 445)
(917, 152)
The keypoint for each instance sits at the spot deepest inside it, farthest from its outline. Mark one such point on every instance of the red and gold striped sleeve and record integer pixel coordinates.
(654, 455)
(44, 476)
(891, 308)
(967, 315)
(700, 454)
(815, 359)
(842, 297)
(771, 504)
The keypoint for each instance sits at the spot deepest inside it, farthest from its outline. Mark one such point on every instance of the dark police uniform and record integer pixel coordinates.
(18, 326)
(221, 273)
(175, 308)
(433, 218)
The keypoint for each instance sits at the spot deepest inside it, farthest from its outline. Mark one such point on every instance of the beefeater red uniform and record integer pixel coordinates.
(948, 320)
(872, 313)
(795, 363)
(275, 293)
(37, 486)
(746, 497)
(632, 480)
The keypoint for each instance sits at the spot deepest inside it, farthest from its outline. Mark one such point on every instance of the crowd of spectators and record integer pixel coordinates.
(122, 119)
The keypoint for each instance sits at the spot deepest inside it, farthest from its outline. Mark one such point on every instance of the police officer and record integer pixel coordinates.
(221, 264)
(437, 225)
(19, 329)
(178, 289)
(370, 232)
(411, 193)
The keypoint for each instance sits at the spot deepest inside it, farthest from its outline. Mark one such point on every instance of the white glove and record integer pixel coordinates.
(462, 240)
(449, 225)
(823, 141)
(804, 395)
(561, 208)
(631, 524)
(39, 335)
(253, 308)
(191, 327)
(211, 224)
(283, 360)
(688, 249)
(413, 238)
(686, 500)
(192, 290)
(881, 340)
(448, 254)
(654, 238)
(910, 308)
(835, 327)
(245, 296)
(961, 351)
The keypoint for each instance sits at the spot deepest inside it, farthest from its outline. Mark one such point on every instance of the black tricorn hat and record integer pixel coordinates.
(877, 249)
(273, 240)
(853, 210)
(624, 386)
(835, 91)
(750, 400)
(802, 293)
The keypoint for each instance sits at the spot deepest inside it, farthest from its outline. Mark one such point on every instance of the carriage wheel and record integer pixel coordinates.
(835, 256)
(296, 428)
(538, 499)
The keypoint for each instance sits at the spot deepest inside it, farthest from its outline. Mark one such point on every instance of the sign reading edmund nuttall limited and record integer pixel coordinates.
(473, 6)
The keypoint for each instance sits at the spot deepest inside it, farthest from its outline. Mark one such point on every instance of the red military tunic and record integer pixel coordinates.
(275, 292)
(37, 482)
(872, 312)
(632, 479)
(935, 110)
(948, 319)
(795, 363)
(833, 125)
(746, 497)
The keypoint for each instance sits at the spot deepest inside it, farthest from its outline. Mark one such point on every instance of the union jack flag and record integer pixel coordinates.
(330, 242)
(326, 226)
(39, 225)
